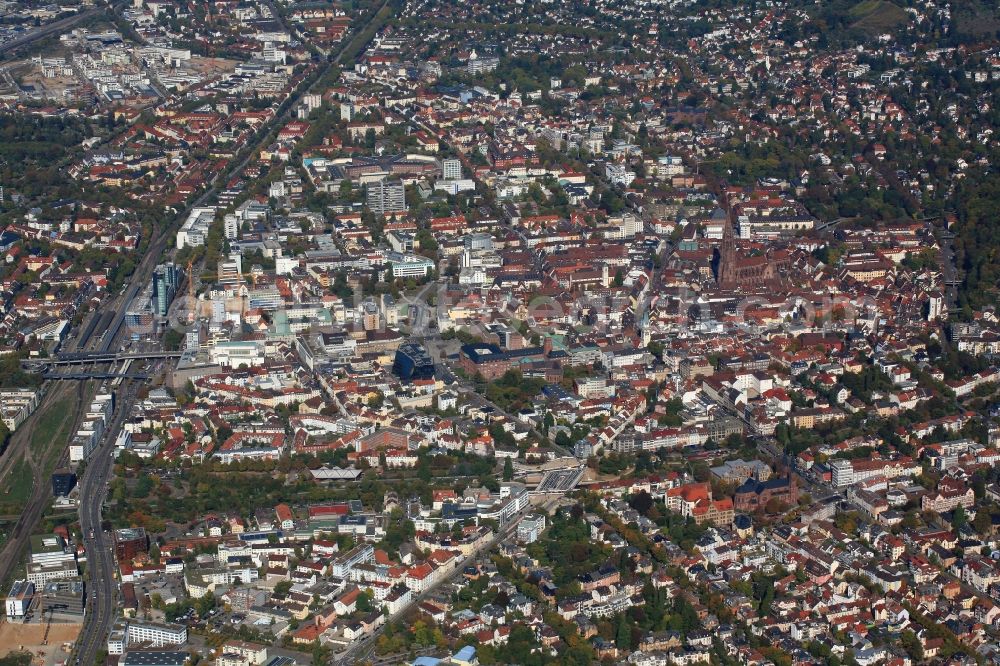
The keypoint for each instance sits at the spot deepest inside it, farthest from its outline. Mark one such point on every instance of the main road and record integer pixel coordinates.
(101, 590)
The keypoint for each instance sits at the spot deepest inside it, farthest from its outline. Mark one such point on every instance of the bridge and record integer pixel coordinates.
(88, 358)
(559, 481)
(832, 223)
(83, 376)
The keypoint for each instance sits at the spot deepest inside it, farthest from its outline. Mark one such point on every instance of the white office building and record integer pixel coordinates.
(231, 226)
(195, 228)
(156, 634)
(51, 559)
(530, 527)
(19, 598)
(409, 265)
(362, 554)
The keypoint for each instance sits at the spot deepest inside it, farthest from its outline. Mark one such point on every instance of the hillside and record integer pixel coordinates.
(876, 16)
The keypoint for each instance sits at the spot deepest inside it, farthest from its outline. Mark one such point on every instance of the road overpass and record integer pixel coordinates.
(91, 358)
(84, 376)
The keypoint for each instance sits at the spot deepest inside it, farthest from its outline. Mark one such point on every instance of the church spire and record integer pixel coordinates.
(727, 256)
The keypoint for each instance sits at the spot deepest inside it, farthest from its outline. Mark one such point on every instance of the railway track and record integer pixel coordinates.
(111, 323)
(13, 549)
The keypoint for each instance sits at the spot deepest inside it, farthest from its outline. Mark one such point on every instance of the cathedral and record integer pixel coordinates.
(736, 272)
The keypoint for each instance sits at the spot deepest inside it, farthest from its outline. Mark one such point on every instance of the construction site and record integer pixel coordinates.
(48, 643)
(44, 623)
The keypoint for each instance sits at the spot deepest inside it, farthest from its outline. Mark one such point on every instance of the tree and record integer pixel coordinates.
(205, 604)
(983, 522)
(763, 592)
(775, 505)
(428, 244)
(651, 393)
(701, 471)
(398, 530)
(623, 634)
(172, 339)
(508, 470)
(479, 382)
(912, 645)
(424, 471)
(641, 502)
(321, 654)
(959, 519)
